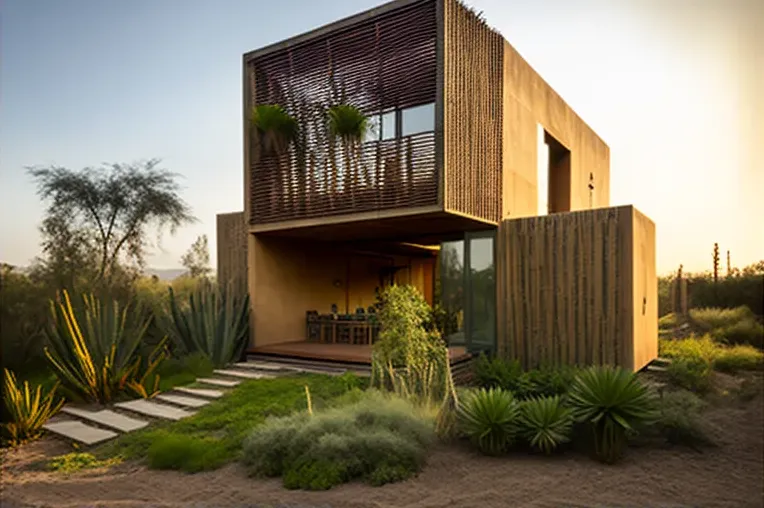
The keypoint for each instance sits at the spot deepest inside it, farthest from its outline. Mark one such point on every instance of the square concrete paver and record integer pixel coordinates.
(107, 418)
(242, 374)
(226, 383)
(80, 432)
(181, 400)
(153, 409)
(200, 392)
(262, 366)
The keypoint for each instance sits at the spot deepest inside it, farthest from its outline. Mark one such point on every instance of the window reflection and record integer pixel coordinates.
(452, 290)
(418, 119)
(482, 285)
(388, 125)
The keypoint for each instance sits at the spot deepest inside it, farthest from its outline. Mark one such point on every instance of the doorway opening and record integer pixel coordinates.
(554, 177)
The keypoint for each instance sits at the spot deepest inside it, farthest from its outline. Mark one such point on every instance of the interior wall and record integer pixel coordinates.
(288, 278)
(527, 101)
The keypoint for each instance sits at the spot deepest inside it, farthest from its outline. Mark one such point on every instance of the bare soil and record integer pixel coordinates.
(731, 474)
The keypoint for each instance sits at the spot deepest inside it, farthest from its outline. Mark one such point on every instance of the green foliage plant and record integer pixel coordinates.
(275, 129)
(26, 410)
(612, 402)
(94, 349)
(350, 125)
(490, 419)
(213, 322)
(680, 421)
(545, 422)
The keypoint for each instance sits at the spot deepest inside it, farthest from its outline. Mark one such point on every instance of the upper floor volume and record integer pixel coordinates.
(413, 109)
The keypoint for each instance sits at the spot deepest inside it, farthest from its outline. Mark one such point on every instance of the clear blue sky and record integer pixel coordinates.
(670, 85)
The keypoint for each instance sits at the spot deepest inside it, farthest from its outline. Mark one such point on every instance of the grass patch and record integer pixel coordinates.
(712, 318)
(222, 425)
(379, 439)
(73, 462)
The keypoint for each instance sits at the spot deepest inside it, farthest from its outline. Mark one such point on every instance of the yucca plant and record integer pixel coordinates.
(490, 419)
(27, 410)
(612, 401)
(213, 322)
(546, 423)
(94, 349)
(350, 125)
(274, 130)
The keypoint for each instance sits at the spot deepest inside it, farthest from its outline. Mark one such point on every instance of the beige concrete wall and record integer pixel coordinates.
(578, 288)
(528, 100)
(231, 235)
(289, 277)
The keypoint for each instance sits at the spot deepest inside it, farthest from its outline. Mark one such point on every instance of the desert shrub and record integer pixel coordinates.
(73, 462)
(713, 318)
(213, 322)
(612, 402)
(690, 373)
(490, 419)
(703, 348)
(94, 349)
(411, 358)
(378, 440)
(26, 410)
(545, 423)
(186, 453)
(679, 420)
(738, 358)
(747, 331)
(668, 321)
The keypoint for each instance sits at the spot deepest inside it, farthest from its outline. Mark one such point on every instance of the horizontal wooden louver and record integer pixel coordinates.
(384, 63)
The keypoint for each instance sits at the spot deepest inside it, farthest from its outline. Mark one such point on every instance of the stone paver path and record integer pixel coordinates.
(78, 431)
(106, 418)
(242, 374)
(225, 383)
(153, 409)
(200, 392)
(182, 400)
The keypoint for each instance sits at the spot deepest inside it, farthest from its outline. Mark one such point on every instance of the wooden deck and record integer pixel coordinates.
(347, 353)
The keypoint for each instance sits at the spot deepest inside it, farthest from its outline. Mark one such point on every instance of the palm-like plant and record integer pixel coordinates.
(350, 125)
(26, 410)
(212, 322)
(545, 423)
(274, 130)
(490, 419)
(94, 349)
(612, 401)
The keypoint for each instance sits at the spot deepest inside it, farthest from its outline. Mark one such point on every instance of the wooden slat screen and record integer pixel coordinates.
(384, 63)
(472, 114)
(565, 290)
(232, 251)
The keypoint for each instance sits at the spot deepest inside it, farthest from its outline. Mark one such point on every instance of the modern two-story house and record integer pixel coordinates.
(474, 181)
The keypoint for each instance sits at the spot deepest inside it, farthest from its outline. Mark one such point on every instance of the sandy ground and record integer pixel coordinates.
(729, 475)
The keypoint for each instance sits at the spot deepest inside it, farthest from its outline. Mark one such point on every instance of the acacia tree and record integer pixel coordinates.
(109, 210)
(197, 259)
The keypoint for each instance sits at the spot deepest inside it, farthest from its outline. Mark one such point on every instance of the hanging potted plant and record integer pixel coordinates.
(349, 124)
(274, 130)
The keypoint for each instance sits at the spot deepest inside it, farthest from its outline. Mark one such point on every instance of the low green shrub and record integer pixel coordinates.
(490, 419)
(691, 373)
(545, 422)
(612, 402)
(377, 439)
(738, 358)
(713, 318)
(509, 375)
(73, 462)
(747, 331)
(186, 453)
(680, 420)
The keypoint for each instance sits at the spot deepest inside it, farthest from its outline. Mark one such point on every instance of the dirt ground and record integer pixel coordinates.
(730, 475)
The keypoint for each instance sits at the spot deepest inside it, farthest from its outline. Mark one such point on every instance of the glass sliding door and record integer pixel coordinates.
(468, 291)
(452, 291)
(481, 292)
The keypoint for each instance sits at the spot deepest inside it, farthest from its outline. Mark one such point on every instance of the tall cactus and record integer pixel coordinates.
(716, 262)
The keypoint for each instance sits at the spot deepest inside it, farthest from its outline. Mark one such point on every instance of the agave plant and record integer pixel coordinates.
(545, 423)
(212, 322)
(27, 410)
(612, 401)
(490, 419)
(349, 124)
(94, 349)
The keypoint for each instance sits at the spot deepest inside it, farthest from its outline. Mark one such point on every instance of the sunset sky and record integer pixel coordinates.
(674, 87)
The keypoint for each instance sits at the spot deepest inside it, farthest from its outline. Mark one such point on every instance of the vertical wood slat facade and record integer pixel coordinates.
(232, 251)
(472, 110)
(578, 288)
